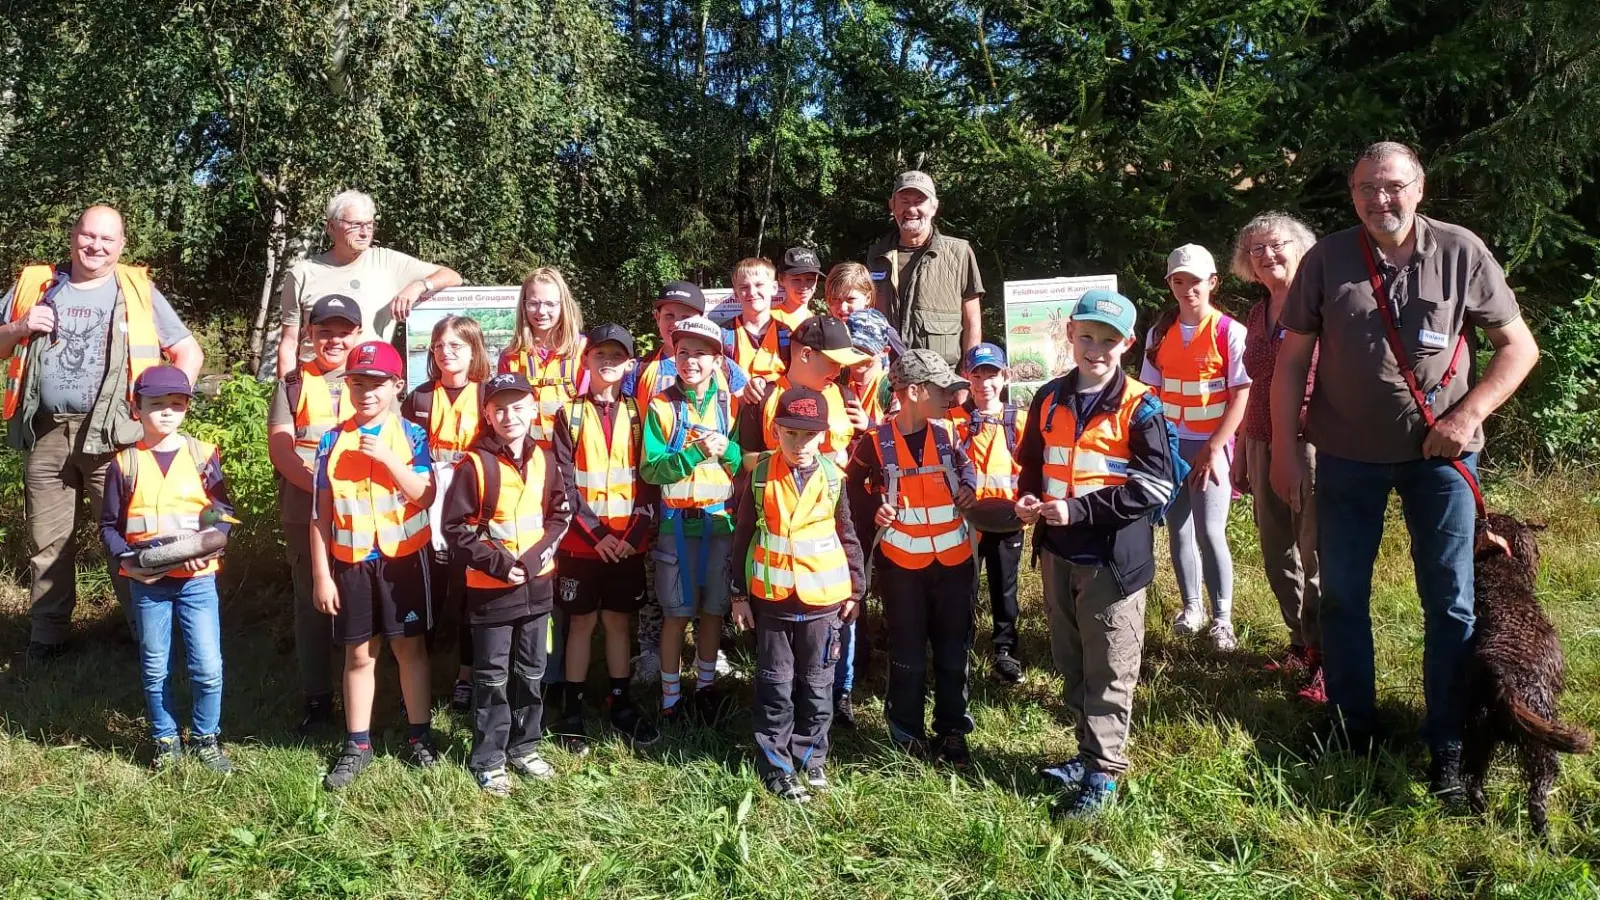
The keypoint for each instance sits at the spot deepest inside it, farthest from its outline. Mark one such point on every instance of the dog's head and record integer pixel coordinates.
(1503, 535)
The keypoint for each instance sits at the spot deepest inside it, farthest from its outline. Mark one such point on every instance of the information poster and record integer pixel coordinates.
(720, 305)
(494, 309)
(1037, 312)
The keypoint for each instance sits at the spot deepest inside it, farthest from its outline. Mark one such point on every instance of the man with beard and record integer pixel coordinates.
(1379, 365)
(927, 283)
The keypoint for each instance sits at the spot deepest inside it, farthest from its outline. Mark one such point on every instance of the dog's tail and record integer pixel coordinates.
(1566, 738)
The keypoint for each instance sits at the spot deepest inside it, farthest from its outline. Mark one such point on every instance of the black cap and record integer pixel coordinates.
(800, 260)
(159, 380)
(685, 292)
(831, 337)
(611, 333)
(336, 306)
(506, 382)
(803, 409)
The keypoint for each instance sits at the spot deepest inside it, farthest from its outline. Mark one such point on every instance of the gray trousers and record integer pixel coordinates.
(794, 691)
(1097, 641)
(313, 630)
(1197, 535)
(1288, 544)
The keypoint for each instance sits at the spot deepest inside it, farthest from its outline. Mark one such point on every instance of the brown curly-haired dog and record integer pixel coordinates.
(1515, 672)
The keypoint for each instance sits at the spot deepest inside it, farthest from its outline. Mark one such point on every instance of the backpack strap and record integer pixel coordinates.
(1008, 424)
(758, 486)
(941, 446)
(889, 456)
(293, 385)
(424, 401)
(783, 336)
(680, 425)
(575, 420)
(831, 471)
(128, 461)
(635, 425)
(489, 479)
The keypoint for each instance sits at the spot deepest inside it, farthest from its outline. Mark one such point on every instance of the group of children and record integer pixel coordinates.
(772, 470)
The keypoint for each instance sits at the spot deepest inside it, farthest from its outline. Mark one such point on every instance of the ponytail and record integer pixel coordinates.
(1158, 331)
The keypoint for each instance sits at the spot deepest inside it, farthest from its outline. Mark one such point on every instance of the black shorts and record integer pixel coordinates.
(382, 596)
(585, 586)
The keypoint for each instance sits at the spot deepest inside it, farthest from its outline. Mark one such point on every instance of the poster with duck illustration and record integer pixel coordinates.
(1037, 311)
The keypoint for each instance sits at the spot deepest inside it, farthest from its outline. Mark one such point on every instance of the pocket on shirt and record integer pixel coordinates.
(1433, 328)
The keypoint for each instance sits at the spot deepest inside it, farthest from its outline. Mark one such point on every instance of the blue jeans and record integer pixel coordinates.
(1440, 516)
(194, 601)
(844, 673)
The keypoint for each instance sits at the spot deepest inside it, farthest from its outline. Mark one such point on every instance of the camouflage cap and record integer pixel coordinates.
(923, 366)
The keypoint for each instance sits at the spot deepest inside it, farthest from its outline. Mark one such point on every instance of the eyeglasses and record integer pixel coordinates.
(1260, 250)
(450, 348)
(1393, 189)
(368, 225)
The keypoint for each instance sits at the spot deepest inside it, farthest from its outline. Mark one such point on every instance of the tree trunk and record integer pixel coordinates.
(277, 242)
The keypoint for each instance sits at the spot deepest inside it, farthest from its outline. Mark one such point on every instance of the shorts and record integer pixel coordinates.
(382, 596)
(585, 586)
(708, 569)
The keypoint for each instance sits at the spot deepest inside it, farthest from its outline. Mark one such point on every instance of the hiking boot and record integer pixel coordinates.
(1067, 775)
(1293, 661)
(420, 753)
(816, 779)
(532, 765)
(1097, 792)
(494, 782)
(1189, 620)
(1315, 691)
(647, 666)
(627, 721)
(40, 653)
(916, 748)
(783, 786)
(351, 761)
(1007, 669)
(318, 716)
(208, 750)
(168, 751)
(1444, 774)
(844, 711)
(952, 750)
(461, 697)
(1222, 637)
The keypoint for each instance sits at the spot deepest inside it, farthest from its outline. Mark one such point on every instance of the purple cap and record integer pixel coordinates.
(158, 380)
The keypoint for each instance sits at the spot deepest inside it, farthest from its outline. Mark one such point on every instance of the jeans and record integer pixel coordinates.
(1440, 515)
(925, 607)
(507, 697)
(194, 602)
(795, 661)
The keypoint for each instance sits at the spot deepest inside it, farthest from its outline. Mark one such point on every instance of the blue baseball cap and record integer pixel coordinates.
(1110, 307)
(984, 354)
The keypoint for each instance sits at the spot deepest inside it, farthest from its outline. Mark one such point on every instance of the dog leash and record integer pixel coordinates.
(1402, 360)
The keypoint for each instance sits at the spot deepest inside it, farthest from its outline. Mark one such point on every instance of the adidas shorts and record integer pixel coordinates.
(584, 586)
(382, 596)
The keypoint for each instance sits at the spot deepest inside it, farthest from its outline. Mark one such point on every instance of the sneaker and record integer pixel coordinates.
(420, 753)
(1444, 774)
(1316, 691)
(318, 717)
(532, 765)
(1293, 661)
(952, 750)
(678, 713)
(349, 764)
(571, 734)
(707, 705)
(1068, 775)
(1222, 637)
(627, 721)
(844, 711)
(168, 751)
(816, 779)
(494, 782)
(40, 652)
(208, 750)
(461, 697)
(916, 748)
(647, 666)
(1188, 621)
(1007, 669)
(1098, 791)
(782, 785)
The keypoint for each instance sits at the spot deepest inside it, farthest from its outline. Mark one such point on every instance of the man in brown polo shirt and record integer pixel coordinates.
(1442, 283)
(927, 283)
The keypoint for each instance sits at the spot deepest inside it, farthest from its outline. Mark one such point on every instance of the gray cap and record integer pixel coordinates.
(924, 366)
(914, 180)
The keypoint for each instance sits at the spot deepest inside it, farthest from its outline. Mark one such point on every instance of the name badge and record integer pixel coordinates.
(1433, 339)
(879, 276)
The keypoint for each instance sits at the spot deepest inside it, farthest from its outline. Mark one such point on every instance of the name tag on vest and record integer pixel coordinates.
(1433, 339)
(1214, 386)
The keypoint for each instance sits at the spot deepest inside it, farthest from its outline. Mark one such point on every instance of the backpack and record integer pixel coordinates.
(890, 456)
(730, 340)
(1008, 426)
(758, 483)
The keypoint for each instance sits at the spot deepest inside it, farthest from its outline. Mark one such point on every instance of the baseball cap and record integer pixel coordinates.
(697, 326)
(1110, 307)
(800, 260)
(374, 358)
(802, 408)
(869, 331)
(335, 306)
(923, 366)
(685, 292)
(611, 333)
(158, 380)
(914, 180)
(506, 383)
(1191, 258)
(831, 337)
(984, 354)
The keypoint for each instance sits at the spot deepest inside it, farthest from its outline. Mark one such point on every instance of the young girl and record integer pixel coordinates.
(1194, 356)
(848, 289)
(447, 406)
(548, 347)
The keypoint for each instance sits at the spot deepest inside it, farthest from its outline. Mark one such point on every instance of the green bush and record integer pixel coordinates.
(1556, 415)
(235, 419)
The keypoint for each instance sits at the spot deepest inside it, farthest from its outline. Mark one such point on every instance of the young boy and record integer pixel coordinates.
(819, 349)
(506, 511)
(754, 339)
(798, 275)
(369, 546)
(308, 402)
(1096, 462)
(166, 486)
(691, 452)
(919, 478)
(868, 380)
(987, 428)
(797, 562)
(600, 565)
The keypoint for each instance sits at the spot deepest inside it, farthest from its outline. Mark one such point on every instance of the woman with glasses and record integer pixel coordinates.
(1267, 252)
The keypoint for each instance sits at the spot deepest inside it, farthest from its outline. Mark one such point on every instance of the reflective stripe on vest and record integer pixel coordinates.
(1194, 376)
(708, 483)
(796, 550)
(1097, 459)
(162, 505)
(369, 509)
(314, 412)
(927, 527)
(556, 380)
(453, 426)
(516, 524)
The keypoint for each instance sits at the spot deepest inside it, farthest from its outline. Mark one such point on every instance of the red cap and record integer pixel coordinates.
(375, 358)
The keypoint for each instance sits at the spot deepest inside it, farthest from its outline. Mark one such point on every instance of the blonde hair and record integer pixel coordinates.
(563, 340)
(755, 264)
(471, 334)
(1293, 230)
(846, 277)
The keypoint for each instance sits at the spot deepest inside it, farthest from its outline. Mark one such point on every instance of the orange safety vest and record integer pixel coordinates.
(139, 324)
(709, 484)
(649, 382)
(1074, 465)
(452, 427)
(991, 443)
(511, 514)
(166, 505)
(835, 443)
(792, 320)
(927, 527)
(604, 473)
(1194, 376)
(555, 379)
(369, 509)
(763, 360)
(314, 412)
(796, 550)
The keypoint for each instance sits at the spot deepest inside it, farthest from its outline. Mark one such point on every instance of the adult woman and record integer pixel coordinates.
(1267, 252)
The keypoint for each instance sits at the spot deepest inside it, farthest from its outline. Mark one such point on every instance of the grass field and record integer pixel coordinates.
(1227, 798)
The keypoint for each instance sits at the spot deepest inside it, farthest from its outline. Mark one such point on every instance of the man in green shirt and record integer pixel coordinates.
(927, 283)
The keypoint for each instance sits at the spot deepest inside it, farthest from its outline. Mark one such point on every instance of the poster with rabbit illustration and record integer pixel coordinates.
(1037, 311)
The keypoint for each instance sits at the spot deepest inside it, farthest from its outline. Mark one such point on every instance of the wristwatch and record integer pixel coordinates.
(427, 286)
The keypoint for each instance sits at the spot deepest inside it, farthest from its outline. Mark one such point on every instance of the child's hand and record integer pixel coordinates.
(325, 597)
(742, 617)
(965, 498)
(715, 443)
(755, 392)
(885, 516)
(857, 415)
(378, 449)
(1208, 465)
(517, 575)
(195, 565)
(610, 548)
(1054, 512)
(146, 576)
(1028, 509)
(1241, 479)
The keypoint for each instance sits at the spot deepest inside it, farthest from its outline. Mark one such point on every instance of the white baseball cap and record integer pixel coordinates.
(1191, 258)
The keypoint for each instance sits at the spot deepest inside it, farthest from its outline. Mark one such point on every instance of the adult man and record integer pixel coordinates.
(384, 282)
(927, 283)
(1439, 282)
(78, 335)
